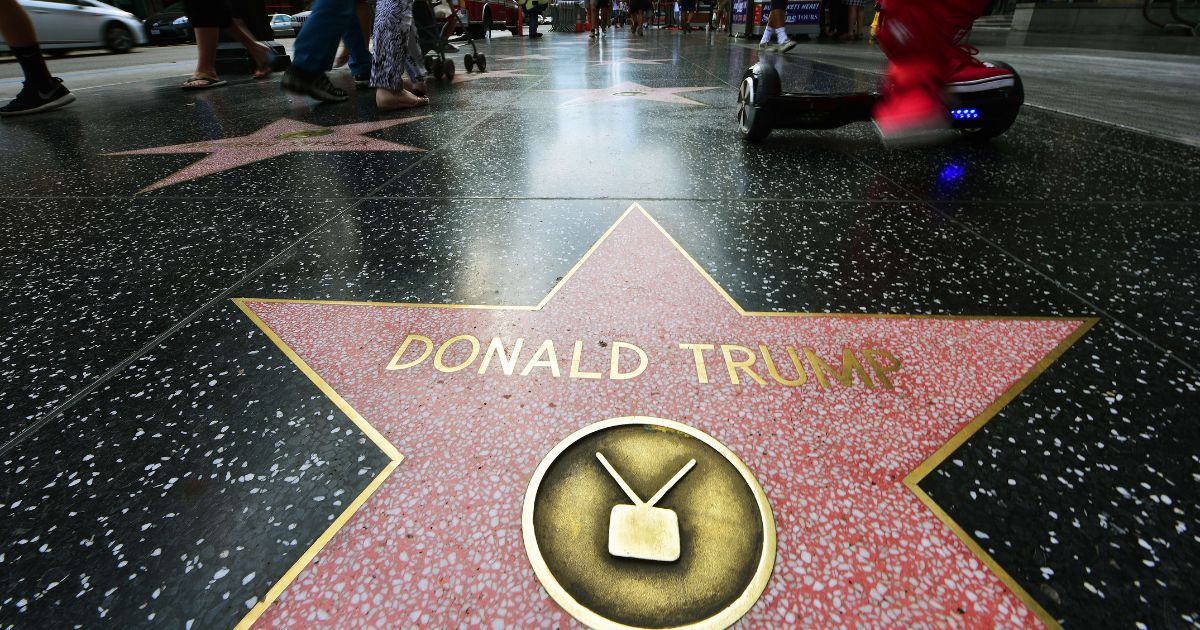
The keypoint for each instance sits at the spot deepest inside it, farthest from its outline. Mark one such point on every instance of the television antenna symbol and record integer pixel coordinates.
(642, 531)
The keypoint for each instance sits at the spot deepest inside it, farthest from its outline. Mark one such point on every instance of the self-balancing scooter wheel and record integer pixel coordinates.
(760, 83)
(1000, 117)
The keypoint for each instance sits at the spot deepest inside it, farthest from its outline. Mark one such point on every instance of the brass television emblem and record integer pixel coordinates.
(641, 530)
(697, 554)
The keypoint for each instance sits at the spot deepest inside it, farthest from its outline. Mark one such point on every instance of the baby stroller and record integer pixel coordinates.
(435, 38)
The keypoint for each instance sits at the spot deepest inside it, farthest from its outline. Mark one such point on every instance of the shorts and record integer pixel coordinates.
(208, 13)
(779, 5)
(687, 5)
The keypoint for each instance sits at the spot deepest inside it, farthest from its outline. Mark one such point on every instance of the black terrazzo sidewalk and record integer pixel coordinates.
(162, 464)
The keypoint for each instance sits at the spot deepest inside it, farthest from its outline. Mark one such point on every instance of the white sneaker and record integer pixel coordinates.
(786, 45)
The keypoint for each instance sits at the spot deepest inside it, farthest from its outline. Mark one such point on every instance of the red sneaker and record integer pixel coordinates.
(973, 75)
(910, 118)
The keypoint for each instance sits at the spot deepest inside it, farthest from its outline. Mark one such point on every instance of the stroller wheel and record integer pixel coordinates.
(481, 62)
(468, 62)
(448, 69)
(428, 63)
(437, 71)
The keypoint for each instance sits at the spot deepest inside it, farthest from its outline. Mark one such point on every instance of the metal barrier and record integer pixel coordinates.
(565, 14)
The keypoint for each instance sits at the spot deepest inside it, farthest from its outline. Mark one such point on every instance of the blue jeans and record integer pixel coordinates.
(531, 16)
(316, 45)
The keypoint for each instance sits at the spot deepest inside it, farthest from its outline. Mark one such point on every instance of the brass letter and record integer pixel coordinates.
(437, 358)
(801, 375)
(547, 348)
(744, 365)
(395, 364)
(507, 363)
(850, 367)
(575, 357)
(698, 354)
(614, 371)
(882, 372)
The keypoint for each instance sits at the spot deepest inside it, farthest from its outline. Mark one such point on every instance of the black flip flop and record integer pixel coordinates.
(205, 83)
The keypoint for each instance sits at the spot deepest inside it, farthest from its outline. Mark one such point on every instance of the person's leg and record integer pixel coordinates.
(532, 17)
(365, 20)
(316, 45)
(605, 15)
(919, 38)
(41, 92)
(16, 26)
(358, 54)
(391, 60)
(593, 10)
(206, 51)
(206, 19)
(257, 50)
(769, 30)
(776, 26)
(314, 49)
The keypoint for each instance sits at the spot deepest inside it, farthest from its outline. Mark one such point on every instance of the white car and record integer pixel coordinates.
(64, 25)
(298, 20)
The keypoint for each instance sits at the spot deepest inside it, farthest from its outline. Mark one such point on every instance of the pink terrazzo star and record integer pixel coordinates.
(463, 77)
(629, 90)
(438, 543)
(280, 137)
(522, 58)
(642, 62)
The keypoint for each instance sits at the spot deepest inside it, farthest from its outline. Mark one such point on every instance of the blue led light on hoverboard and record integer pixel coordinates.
(965, 113)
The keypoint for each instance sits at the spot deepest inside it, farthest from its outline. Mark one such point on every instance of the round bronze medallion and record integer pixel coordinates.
(642, 522)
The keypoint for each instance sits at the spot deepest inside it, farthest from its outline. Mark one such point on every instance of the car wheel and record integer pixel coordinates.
(118, 38)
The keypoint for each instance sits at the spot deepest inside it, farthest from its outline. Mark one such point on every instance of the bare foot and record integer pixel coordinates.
(262, 60)
(386, 99)
(416, 88)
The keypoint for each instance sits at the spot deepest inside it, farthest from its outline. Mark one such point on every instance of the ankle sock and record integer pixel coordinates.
(767, 34)
(33, 65)
(781, 35)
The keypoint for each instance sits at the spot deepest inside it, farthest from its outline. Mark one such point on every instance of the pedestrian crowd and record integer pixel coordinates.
(923, 40)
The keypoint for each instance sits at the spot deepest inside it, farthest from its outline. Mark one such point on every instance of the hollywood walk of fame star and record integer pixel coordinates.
(523, 58)
(629, 90)
(644, 62)
(859, 543)
(490, 74)
(630, 49)
(278, 138)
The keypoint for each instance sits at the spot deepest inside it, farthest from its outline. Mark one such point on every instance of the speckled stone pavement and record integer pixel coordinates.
(200, 429)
